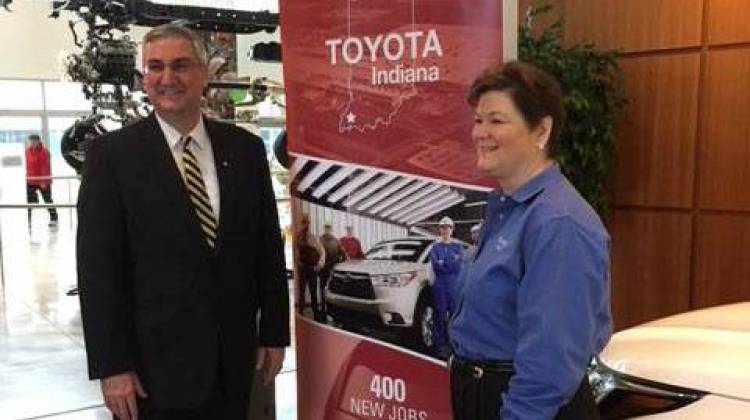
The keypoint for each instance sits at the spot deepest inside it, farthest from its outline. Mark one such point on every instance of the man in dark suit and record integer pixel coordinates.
(180, 262)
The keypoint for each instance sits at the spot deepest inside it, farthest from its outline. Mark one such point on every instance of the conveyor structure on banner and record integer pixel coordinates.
(381, 195)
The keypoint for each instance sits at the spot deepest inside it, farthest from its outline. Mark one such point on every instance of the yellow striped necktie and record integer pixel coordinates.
(197, 192)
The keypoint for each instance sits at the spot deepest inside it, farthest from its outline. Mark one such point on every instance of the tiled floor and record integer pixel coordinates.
(42, 359)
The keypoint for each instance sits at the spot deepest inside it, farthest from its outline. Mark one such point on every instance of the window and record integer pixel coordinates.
(56, 128)
(21, 95)
(269, 135)
(378, 252)
(47, 108)
(409, 250)
(17, 129)
(65, 96)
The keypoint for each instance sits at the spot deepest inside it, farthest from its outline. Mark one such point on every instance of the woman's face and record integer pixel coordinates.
(505, 145)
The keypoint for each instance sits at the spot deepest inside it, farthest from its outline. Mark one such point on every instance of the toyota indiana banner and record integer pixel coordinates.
(380, 134)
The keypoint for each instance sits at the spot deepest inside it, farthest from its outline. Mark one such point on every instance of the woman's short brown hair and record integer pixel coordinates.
(535, 93)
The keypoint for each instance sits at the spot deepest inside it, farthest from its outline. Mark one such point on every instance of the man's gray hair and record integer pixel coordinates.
(173, 30)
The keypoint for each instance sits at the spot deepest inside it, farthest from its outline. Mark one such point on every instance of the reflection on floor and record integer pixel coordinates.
(42, 360)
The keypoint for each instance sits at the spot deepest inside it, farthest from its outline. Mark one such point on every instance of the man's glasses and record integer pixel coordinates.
(179, 66)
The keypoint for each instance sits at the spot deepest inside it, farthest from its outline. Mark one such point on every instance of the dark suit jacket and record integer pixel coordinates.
(154, 297)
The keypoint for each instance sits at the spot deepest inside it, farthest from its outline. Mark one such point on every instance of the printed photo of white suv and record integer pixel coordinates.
(390, 288)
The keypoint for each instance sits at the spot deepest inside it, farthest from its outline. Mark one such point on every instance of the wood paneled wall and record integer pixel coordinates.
(728, 21)
(635, 25)
(681, 220)
(659, 128)
(725, 134)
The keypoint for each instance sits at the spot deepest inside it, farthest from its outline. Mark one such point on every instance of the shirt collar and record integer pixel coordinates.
(198, 133)
(536, 184)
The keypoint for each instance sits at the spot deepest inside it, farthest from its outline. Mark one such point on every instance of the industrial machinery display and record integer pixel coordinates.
(106, 64)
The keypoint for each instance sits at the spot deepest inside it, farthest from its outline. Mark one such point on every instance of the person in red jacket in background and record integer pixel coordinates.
(351, 245)
(38, 176)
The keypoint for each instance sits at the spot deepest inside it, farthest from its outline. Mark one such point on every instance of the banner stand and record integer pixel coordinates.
(380, 134)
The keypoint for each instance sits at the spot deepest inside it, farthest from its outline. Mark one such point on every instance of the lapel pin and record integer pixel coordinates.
(225, 164)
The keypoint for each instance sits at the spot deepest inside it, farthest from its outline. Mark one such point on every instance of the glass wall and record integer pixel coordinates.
(21, 95)
(41, 107)
(269, 135)
(56, 126)
(65, 96)
(17, 129)
(46, 108)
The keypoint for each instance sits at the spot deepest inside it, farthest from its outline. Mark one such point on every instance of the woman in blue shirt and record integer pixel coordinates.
(533, 305)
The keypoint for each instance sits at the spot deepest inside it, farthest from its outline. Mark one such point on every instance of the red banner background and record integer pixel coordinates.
(382, 84)
(342, 112)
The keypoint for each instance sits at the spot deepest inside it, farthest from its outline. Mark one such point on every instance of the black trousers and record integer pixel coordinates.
(218, 406)
(46, 192)
(309, 280)
(325, 274)
(475, 395)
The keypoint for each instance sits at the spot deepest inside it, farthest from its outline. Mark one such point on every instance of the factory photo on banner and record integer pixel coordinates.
(385, 193)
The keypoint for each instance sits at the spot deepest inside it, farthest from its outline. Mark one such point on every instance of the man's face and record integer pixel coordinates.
(174, 78)
(34, 143)
(445, 231)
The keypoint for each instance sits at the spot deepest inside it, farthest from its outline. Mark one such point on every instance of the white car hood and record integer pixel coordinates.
(378, 266)
(707, 350)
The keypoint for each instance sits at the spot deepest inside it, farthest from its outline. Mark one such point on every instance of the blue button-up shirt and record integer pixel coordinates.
(536, 292)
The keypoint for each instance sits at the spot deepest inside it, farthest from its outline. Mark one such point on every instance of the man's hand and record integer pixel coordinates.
(271, 358)
(120, 392)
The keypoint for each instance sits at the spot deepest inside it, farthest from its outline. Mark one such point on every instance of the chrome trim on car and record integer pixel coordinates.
(604, 380)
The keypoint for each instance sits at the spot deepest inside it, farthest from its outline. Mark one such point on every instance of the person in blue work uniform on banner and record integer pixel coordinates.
(446, 258)
(534, 303)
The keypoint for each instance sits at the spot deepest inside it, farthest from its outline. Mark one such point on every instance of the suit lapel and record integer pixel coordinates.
(166, 175)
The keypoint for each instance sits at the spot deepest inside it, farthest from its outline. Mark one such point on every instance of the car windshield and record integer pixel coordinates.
(397, 251)
(378, 252)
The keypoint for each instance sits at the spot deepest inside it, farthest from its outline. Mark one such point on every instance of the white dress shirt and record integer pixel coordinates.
(204, 153)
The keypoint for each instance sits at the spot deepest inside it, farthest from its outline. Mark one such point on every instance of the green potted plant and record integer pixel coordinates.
(592, 84)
